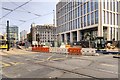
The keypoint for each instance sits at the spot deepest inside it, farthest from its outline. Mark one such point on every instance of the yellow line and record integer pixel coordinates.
(57, 59)
(5, 64)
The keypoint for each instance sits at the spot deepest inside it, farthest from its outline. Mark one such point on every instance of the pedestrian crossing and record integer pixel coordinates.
(8, 64)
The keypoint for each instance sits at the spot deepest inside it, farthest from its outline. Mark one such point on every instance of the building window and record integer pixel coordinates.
(111, 5)
(104, 17)
(114, 5)
(76, 13)
(111, 33)
(88, 19)
(117, 19)
(85, 8)
(78, 23)
(92, 18)
(92, 5)
(96, 17)
(88, 7)
(96, 4)
(81, 10)
(113, 19)
(107, 17)
(104, 4)
(81, 22)
(107, 4)
(84, 21)
(117, 6)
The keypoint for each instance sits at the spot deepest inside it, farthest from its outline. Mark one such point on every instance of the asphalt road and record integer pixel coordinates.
(27, 64)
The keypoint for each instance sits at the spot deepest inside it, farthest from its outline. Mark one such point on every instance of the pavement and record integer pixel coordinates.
(19, 63)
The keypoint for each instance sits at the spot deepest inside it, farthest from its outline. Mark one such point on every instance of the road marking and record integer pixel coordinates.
(9, 64)
(4, 64)
(57, 59)
(40, 61)
(108, 65)
(15, 63)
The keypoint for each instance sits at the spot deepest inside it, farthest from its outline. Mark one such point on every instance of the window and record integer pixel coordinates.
(88, 19)
(111, 18)
(92, 5)
(117, 19)
(85, 8)
(84, 21)
(104, 4)
(92, 18)
(76, 13)
(81, 22)
(81, 10)
(96, 17)
(117, 6)
(111, 5)
(107, 17)
(96, 4)
(78, 23)
(88, 7)
(107, 4)
(104, 17)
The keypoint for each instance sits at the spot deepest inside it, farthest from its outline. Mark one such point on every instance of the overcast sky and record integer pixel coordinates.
(36, 11)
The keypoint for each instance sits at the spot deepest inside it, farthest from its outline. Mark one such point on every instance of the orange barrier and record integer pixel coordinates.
(74, 51)
(40, 49)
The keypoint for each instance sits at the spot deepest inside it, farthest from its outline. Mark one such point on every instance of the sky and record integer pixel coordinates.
(36, 11)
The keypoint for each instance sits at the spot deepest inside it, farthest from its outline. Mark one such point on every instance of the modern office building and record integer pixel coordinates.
(13, 33)
(23, 35)
(86, 19)
(43, 33)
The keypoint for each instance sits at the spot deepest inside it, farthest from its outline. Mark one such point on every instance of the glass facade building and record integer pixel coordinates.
(95, 17)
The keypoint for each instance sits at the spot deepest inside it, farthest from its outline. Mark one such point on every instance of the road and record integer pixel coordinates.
(26, 64)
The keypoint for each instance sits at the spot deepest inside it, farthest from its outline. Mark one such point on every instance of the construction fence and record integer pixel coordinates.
(70, 51)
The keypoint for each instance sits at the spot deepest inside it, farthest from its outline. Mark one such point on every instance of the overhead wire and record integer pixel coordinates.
(15, 9)
(35, 18)
(25, 9)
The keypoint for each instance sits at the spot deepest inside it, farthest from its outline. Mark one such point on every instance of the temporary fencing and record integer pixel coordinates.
(74, 51)
(69, 51)
(88, 51)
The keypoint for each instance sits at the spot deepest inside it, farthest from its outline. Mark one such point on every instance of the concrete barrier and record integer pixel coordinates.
(89, 52)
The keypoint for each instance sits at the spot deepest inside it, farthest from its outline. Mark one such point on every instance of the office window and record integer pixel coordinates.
(107, 4)
(104, 4)
(111, 5)
(111, 18)
(117, 19)
(88, 19)
(84, 21)
(76, 23)
(76, 13)
(107, 17)
(81, 22)
(88, 7)
(92, 5)
(96, 4)
(85, 8)
(104, 17)
(92, 18)
(82, 10)
(117, 6)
